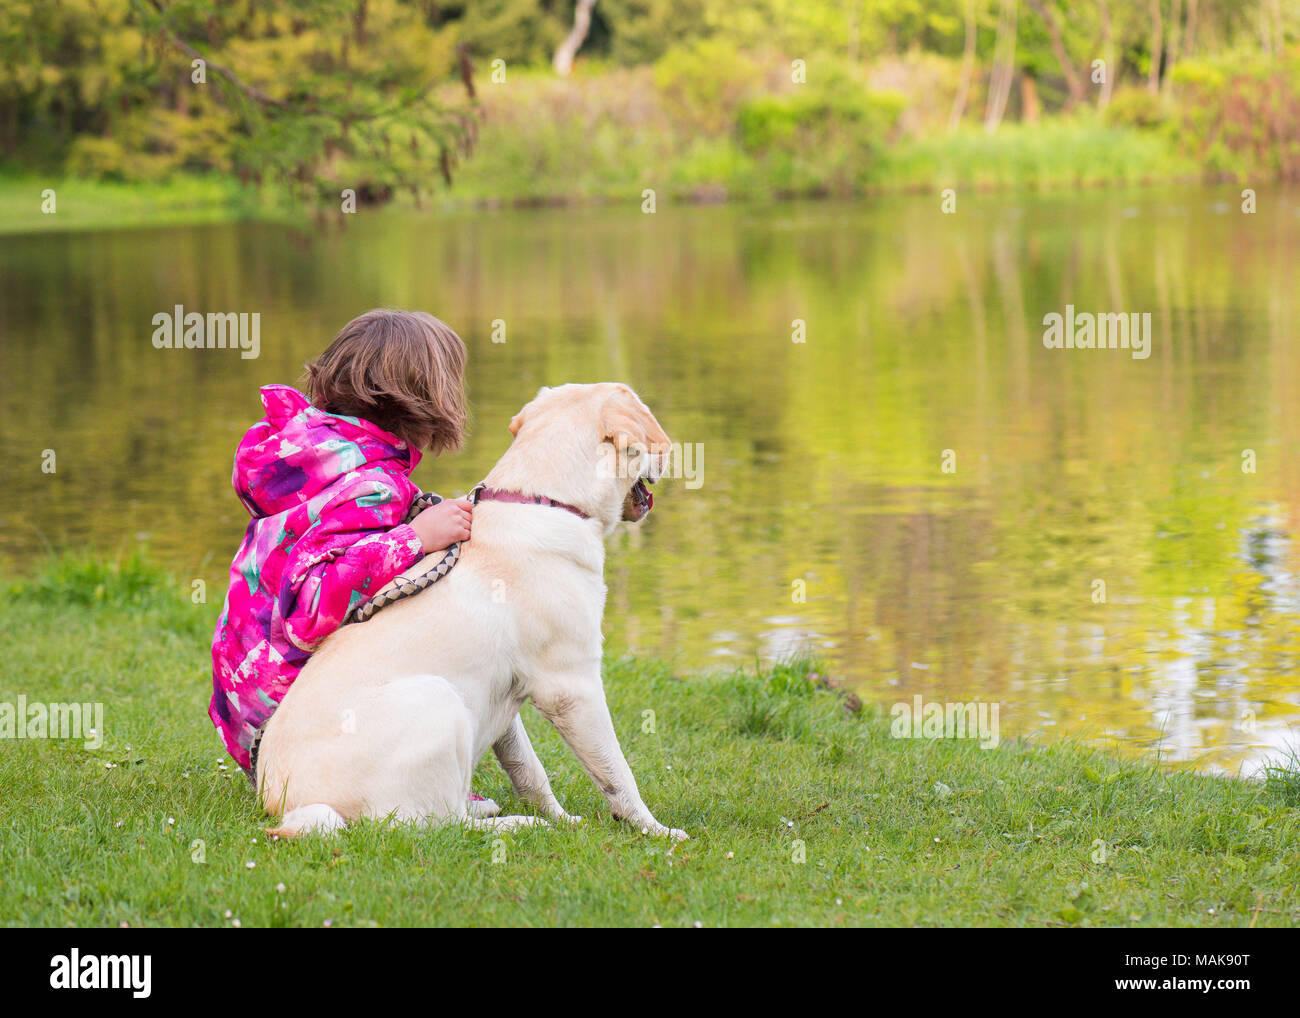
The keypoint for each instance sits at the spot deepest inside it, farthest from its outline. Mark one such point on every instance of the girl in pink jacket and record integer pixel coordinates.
(326, 479)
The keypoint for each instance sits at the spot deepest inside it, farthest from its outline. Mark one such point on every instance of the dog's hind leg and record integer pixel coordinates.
(316, 818)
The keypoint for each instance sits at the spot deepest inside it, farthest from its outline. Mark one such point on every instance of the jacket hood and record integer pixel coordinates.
(297, 450)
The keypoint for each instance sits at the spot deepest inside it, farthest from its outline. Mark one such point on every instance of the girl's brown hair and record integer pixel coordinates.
(401, 370)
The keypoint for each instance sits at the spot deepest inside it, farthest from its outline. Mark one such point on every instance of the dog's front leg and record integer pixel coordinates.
(514, 751)
(585, 723)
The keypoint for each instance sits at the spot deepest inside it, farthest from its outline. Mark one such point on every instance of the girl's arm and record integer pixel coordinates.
(345, 558)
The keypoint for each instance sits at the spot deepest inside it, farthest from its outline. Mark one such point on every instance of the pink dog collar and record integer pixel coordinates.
(482, 494)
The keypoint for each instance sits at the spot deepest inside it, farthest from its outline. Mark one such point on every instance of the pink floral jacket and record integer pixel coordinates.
(328, 495)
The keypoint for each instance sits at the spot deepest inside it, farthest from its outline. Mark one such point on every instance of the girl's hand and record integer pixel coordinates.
(442, 525)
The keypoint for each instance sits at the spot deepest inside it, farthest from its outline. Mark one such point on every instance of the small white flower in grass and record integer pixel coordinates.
(236, 923)
(731, 855)
(328, 923)
(936, 841)
(249, 865)
(280, 888)
(171, 820)
(228, 914)
(839, 901)
(698, 925)
(119, 823)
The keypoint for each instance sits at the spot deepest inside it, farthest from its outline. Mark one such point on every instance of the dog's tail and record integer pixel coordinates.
(316, 818)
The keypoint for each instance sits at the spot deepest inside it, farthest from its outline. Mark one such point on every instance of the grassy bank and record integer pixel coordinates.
(552, 167)
(801, 813)
(81, 204)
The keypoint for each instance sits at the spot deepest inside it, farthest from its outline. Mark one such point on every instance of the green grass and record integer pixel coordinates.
(1050, 155)
(762, 769)
(92, 204)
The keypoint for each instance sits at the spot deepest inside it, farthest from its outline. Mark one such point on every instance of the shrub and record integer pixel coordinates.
(1240, 117)
(1136, 107)
(819, 139)
(705, 83)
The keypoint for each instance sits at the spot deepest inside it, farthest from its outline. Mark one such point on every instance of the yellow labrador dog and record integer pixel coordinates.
(390, 717)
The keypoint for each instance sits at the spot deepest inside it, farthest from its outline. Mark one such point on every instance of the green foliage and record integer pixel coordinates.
(1240, 117)
(317, 96)
(1137, 107)
(517, 31)
(819, 139)
(704, 83)
(641, 31)
(1056, 154)
(1282, 780)
(131, 581)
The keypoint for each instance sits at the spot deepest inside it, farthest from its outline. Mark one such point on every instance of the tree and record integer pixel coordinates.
(1004, 66)
(1157, 30)
(336, 94)
(967, 69)
(1072, 82)
(568, 49)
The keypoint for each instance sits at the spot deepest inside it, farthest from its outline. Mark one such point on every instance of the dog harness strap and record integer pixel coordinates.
(485, 494)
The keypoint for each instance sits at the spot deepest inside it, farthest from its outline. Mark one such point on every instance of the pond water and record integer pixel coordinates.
(920, 491)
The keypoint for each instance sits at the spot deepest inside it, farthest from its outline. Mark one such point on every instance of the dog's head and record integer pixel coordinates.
(605, 435)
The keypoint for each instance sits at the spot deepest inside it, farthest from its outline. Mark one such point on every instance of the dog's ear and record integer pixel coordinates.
(517, 421)
(623, 422)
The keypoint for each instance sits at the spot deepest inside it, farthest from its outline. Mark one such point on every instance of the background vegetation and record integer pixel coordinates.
(707, 99)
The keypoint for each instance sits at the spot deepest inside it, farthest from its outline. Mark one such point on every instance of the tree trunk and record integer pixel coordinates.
(1072, 82)
(1003, 70)
(1171, 51)
(1157, 47)
(1189, 44)
(568, 49)
(1108, 55)
(967, 69)
(1030, 107)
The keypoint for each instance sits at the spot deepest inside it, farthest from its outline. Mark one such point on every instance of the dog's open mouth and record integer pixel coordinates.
(639, 501)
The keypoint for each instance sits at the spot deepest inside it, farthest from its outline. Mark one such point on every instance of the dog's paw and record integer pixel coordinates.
(660, 831)
(481, 808)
